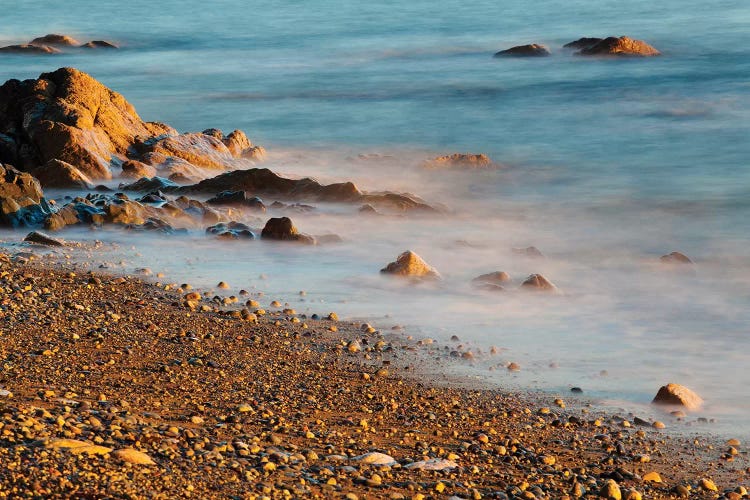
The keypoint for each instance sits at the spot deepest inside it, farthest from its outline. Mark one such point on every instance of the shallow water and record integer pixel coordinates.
(608, 165)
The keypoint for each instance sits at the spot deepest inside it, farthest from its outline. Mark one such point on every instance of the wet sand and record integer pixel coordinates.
(287, 407)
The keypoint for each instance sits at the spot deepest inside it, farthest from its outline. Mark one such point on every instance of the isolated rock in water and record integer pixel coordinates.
(43, 239)
(410, 264)
(582, 43)
(282, 228)
(538, 282)
(59, 174)
(532, 252)
(497, 277)
(56, 40)
(460, 161)
(29, 49)
(532, 50)
(675, 258)
(99, 44)
(622, 46)
(135, 169)
(679, 395)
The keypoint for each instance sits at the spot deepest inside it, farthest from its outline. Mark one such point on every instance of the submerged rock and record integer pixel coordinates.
(538, 282)
(231, 230)
(237, 199)
(29, 49)
(494, 278)
(410, 264)
(283, 229)
(53, 39)
(582, 43)
(461, 161)
(678, 395)
(532, 252)
(531, 50)
(619, 47)
(675, 258)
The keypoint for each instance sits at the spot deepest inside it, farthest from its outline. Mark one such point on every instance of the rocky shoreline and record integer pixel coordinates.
(112, 387)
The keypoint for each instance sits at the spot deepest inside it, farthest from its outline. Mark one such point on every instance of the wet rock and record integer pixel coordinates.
(237, 199)
(582, 43)
(675, 258)
(619, 47)
(59, 174)
(679, 395)
(531, 50)
(283, 229)
(29, 49)
(21, 199)
(231, 230)
(99, 44)
(55, 40)
(43, 239)
(124, 211)
(538, 282)
(197, 149)
(460, 161)
(150, 184)
(410, 264)
(17, 185)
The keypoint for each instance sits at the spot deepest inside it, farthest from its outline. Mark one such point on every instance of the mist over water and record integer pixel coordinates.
(607, 165)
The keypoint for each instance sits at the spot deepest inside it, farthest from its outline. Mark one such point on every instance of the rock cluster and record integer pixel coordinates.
(54, 44)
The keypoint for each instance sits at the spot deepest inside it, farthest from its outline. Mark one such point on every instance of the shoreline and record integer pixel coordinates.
(220, 407)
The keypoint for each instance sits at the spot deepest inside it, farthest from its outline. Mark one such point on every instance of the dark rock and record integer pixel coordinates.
(532, 50)
(29, 49)
(149, 184)
(582, 43)
(538, 282)
(56, 40)
(43, 239)
(282, 228)
(231, 230)
(99, 44)
(675, 258)
(237, 199)
(619, 47)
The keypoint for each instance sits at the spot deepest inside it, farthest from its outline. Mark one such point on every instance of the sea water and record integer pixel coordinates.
(607, 165)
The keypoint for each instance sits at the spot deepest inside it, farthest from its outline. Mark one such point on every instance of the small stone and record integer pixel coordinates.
(223, 285)
(652, 477)
(132, 456)
(610, 490)
(708, 485)
(43, 239)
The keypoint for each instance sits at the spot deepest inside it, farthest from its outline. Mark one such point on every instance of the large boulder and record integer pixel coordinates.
(69, 116)
(531, 50)
(59, 174)
(283, 229)
(410, 264)
(55, 41)
(21, 199)
(461, 161)
(618, 47)
(678, 395)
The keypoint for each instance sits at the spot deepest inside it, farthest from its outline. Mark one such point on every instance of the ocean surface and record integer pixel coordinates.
(607, 165)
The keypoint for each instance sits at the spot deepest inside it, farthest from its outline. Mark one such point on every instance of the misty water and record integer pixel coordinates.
(607, 165)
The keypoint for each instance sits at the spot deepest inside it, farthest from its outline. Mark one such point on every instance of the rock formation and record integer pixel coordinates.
(283, 229)
(538, 282)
